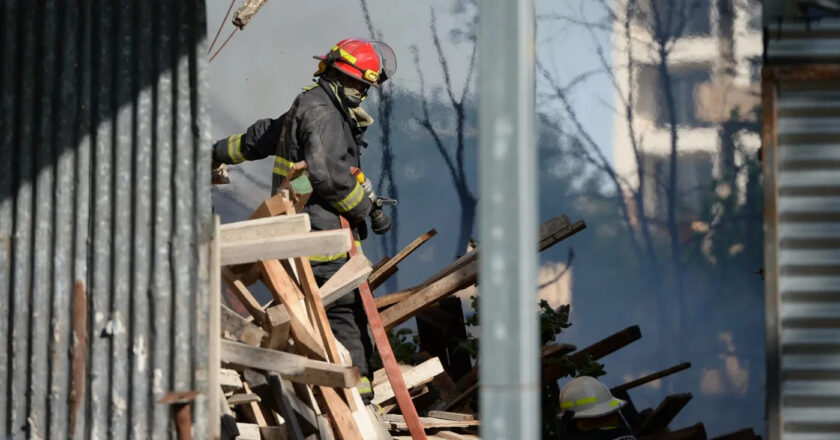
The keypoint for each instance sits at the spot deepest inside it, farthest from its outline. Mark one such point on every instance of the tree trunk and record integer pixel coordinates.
(468, 205)
(671, 190)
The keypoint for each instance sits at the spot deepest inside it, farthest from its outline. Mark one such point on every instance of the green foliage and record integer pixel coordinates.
(404, 342)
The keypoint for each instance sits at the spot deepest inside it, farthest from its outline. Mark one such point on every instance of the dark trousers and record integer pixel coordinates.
(349, 325)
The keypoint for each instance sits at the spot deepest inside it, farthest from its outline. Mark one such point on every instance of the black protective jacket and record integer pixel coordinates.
(318, 129)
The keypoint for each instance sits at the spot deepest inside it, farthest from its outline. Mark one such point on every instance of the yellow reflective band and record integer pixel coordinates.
(567, 404)
(333, 257)
(310, 87)
(282, 166)
(351, 200)
(235, 148)
(327, 258)
(586, 400)
(364, 386)
(346, 55)
(615, 402)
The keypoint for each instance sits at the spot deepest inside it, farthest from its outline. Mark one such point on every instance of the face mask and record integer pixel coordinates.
(351, 96)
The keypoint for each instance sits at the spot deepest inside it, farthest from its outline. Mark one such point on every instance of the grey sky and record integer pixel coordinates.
(262, 68)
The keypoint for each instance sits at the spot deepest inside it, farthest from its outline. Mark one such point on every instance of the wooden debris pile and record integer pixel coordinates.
(284, 375)
(444, 380)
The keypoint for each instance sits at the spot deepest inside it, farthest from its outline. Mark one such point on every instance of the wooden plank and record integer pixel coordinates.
(283, 288)
(462, 398)
(236, 353)
(693, 432)
(348, 278)
(284, 247)
(274, 433)
(664, 413)
(241, 329)
(610, 344)
(393, 298)
(455, 281)
(340, 415)
(271, 207)
(248, 431)
(552, 232)
(291, 366)
(379, 275)
(280, 324)
(449, 435)
(253, 411)
(398, 422)
(264, 228)
(230, 380)
(242, 399)
(313, 298)
(651, 377)
(386, 354)
(238, 288)
(556, 349)
(416, 376)
(445, 415)
(282, 400)
(743, 434)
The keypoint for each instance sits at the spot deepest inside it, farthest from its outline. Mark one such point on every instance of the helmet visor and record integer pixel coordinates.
(387, 60)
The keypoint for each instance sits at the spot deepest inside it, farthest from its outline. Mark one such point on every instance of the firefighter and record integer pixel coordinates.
(590, 412)
(324, 127)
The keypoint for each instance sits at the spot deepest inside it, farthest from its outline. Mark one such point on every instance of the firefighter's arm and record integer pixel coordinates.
(258, 142)
(328, 161)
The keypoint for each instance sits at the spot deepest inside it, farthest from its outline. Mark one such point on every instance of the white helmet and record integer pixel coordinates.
(588, 398)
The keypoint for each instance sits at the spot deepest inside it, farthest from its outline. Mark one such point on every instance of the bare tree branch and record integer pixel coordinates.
(444, 65)
(570, 257)
(426, 120)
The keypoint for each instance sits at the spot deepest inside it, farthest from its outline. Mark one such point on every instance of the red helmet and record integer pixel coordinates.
(371, 62)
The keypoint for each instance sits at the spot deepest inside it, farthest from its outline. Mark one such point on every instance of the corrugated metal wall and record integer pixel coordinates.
(804, 42)
(808, 130)
(103, 179)
(802, 174)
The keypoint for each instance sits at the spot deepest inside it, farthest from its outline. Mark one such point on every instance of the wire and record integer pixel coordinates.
(221, 25)
(224, 44)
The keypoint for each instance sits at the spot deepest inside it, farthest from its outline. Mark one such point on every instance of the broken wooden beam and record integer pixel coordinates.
(242, 399)
(264, 228)
(239, 328)
(743, 434)
(458, 417)
(244, 296)
(413, 377)
(347, 279)
(464, 272)
(455, 281)
(291, 366)
(279, 325)
(664, 414)
(610, 344)
(381, 274)
(285, 291)
(397, 422)
(229, 380)
(651, 377)
(284, 247)
(693, 432)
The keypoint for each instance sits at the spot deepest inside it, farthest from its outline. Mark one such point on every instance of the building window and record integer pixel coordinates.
(652, 100)
(676, 18)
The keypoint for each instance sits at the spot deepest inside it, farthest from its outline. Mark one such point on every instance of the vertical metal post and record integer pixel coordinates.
(509, 345)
